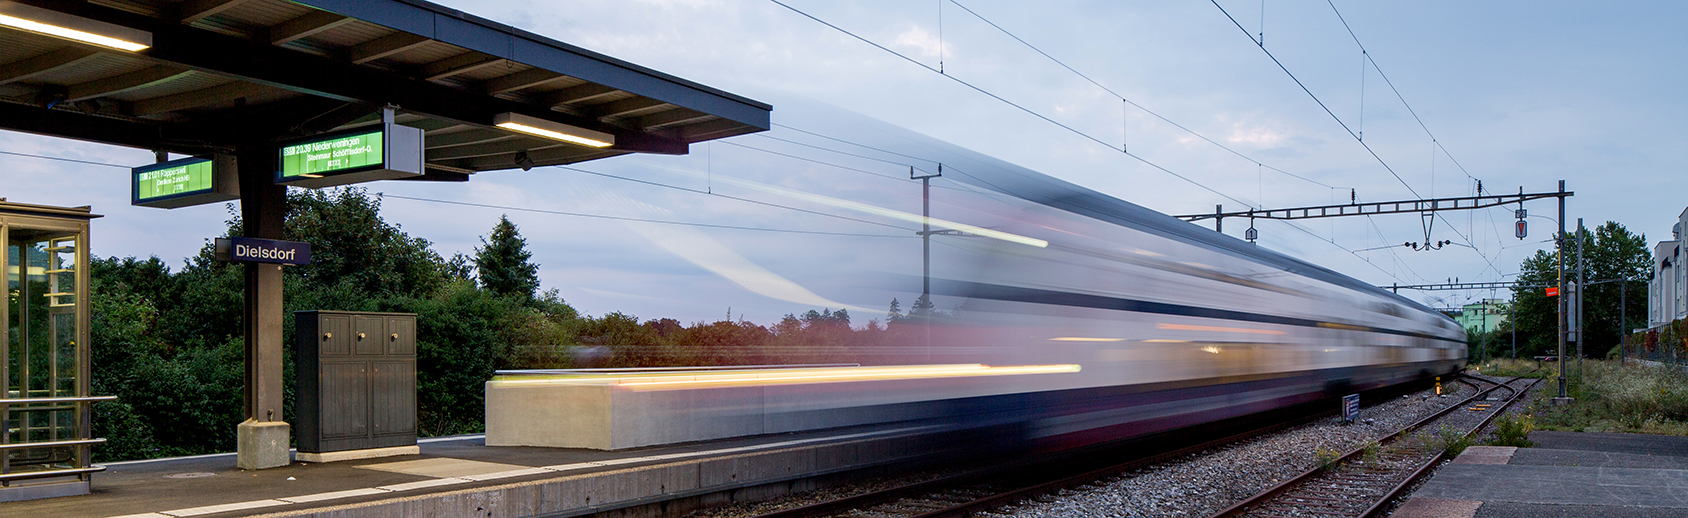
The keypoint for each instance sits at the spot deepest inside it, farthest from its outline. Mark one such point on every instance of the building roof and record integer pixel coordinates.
(226, 73)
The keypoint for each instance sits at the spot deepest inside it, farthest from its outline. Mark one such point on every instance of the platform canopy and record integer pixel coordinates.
(204, 76)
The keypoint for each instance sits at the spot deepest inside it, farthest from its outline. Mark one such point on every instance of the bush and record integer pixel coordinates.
(1453, 442)
(1613, 397)
(1513, 430)
(1326, 458)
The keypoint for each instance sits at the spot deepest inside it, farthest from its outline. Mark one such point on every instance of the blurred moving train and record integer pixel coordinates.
(1073, 317)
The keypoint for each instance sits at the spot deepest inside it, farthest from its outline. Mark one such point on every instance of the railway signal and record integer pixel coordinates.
(1521, 229)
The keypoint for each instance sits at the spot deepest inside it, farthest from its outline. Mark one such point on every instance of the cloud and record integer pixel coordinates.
(1256, 135)
(919, 38)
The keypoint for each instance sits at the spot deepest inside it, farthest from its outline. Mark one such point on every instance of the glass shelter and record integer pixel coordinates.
(45, 406)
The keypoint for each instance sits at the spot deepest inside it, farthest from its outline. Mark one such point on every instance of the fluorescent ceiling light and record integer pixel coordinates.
(57, 24)
(552, 130)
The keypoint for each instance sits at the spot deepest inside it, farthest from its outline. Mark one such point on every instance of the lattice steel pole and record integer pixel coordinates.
(1560, 251)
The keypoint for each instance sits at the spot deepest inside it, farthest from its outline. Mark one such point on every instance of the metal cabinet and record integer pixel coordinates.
(355, 380)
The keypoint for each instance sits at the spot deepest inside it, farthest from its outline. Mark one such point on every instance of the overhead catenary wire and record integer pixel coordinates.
(586, 215)
(1122, 98)
(1355, 254)
(62, 159)
(1350, 130)
(1069, 128)
(1015, 105)
(1258, 164)
(963, 173)
(1316, 99)
(641, 220)
(963, 185)
(1367, 57)
(736, 198)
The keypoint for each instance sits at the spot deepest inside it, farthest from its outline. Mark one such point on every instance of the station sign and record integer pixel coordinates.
(252, 250)
(184, 182)
(1351, 407)
(384, 152)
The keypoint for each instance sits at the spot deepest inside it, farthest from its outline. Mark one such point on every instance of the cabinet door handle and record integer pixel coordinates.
(395, 337)
(360, 336)
(326, 336)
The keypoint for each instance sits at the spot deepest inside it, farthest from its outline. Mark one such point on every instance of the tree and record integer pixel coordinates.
(503, 262)
(460, 267)
(1610, 252)
(922, 307)
(354, 249)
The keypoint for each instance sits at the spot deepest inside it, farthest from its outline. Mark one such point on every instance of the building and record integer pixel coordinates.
(1482, 316)
(1664, 286)
(1665, 302)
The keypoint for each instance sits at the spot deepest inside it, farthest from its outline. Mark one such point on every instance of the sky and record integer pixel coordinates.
(1514, 94)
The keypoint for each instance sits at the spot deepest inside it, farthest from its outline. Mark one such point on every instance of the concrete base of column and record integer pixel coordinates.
(262, 445)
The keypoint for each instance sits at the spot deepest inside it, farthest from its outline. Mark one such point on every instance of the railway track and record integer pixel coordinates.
(1362, 482)
(970, 493)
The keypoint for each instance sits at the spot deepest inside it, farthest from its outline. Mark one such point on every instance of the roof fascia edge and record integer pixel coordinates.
(479, 34)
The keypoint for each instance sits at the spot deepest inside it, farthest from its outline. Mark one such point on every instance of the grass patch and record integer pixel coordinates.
(1513, 430)
(1520, 368)
(1613, 397)
(1453, 442)
(1326, 458)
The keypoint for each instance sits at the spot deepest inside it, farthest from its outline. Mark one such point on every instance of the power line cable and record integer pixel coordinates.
(61, 159)
(712, 193)
(1317, 100)
(1350, 131)
(1015, 105)
(1333, 243)
(642, 220)
(1163, 118)
(1366, 55)
(963, 185)
(606, 175)
(1134, 103)
(857, 144)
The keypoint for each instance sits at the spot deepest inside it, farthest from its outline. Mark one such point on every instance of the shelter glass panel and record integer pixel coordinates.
(44, 408)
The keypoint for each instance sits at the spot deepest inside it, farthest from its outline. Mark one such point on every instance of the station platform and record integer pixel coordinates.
(1566, 474)
(461, 476)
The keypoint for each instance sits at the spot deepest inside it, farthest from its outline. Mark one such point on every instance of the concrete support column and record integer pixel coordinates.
(263, 436)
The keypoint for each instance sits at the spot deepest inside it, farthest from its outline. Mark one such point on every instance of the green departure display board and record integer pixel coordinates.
(171, 179)
(334, 154)
(184, 182)
(387, 151)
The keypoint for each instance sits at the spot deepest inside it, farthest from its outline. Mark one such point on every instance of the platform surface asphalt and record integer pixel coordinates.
(1566, 474)
(211, 485)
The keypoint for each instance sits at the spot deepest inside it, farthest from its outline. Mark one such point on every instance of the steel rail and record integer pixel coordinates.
(1009, 497)
(1426, 468)
(1239, 508)
(873, 498)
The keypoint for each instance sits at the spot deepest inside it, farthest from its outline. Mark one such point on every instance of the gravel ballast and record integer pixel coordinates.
(1195, 485)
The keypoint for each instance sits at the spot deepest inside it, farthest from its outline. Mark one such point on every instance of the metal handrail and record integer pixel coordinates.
(50, 444)
(52, 473)
(25, 401)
